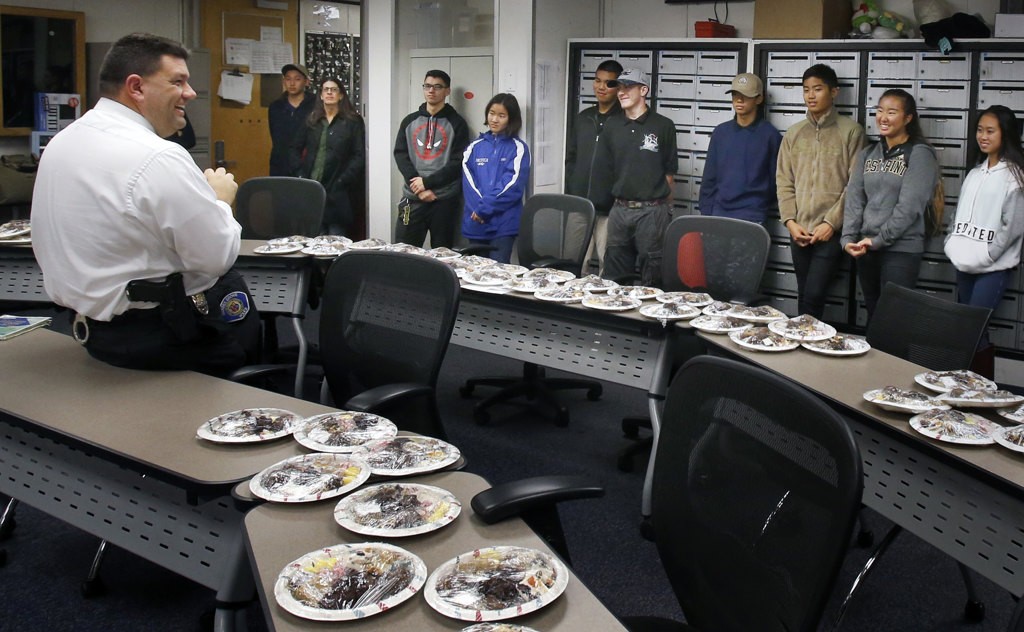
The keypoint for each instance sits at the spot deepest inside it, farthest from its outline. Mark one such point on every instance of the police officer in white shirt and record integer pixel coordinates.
(114, 203)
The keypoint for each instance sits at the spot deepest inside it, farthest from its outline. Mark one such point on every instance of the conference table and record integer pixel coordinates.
(968, 501)
(114, 452)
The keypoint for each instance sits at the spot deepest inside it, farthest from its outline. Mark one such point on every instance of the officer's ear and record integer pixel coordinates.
(644, 91)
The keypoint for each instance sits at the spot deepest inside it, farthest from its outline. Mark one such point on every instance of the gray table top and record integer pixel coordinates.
(846, 379)
(146, 417)
(277, 534)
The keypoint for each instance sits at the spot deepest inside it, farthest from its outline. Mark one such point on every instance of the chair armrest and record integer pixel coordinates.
(557, 264)
(475, 249)
(515, 497)
(380, 396)
(248, 373)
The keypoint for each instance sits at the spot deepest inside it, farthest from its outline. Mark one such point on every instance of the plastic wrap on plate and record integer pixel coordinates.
(490, 275)
(343, 431)
(534, 283)
(373, 243)
(497, 627)
(954, 426)
(349, 581)
(406, 248)
(697, 299)
(310, 477)
(592, 283)
(443, 253)
(562, 294)
(401, 456)
(560, 275)
(942, 381)
(495, 583)
(397, 509)
(717, 308)
(641, 292)
(249, 424)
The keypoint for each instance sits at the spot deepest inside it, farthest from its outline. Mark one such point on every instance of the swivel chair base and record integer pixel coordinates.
(535, 386)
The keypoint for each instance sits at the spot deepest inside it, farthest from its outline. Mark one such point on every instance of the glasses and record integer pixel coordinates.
(328, 90)
(434, 86)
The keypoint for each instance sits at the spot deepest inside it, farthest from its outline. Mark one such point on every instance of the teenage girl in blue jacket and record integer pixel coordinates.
(495, 170)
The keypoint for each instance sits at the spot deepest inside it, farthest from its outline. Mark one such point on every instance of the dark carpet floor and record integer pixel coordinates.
(915, 587)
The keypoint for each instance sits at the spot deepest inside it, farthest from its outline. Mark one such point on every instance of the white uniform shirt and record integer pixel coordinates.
(115, 202)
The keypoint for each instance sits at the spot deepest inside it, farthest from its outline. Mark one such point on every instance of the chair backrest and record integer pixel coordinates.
(556, 226)
(935, 333)
(723, 256)
(277, 206)
(386, 318)
(757, 484)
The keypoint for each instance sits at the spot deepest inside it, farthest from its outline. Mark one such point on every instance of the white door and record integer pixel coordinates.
(472, 84)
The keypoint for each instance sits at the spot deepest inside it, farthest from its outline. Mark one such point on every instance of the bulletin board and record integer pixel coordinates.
(245, 26)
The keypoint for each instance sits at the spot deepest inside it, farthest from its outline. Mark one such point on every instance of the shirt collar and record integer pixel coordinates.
(119, 109)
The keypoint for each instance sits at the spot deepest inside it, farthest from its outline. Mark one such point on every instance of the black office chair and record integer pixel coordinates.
(276, 206)
(554, 232)
(385, 324)
(722, 256)
(942, 336)
(756, 489)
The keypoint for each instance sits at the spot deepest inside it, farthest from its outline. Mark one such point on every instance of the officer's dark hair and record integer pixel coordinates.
(823, 72)
(610, 65)
(135, 54)
(439, 74)
(511, 105)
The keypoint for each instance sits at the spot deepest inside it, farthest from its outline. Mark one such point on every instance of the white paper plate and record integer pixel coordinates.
(532, 284)
(640, 292)
(942, 381)
(612, 303)
(317, 574)
(324, 250)
(561, 275)
(778, 343)
(948, 433)
(278, 249)
(987, 402)
(394, 510)
(1004, 436)
(334, 240)
(497, 627)
(562, 294)
(717, 308)
(249, 425)
(592, 283)
(875, 397)
(15, 228)
(291, 239)
(488, 276)
(453, 589)
(697, 299)
(670, 311)
(344, 431)
(443, 253)
(718, 324)
(1016, 415)
(24, 240)
(406, 248)
(402, 456)
(851, 346)
(368, 244)
(310, 477)
(791, 328)
(757, 314)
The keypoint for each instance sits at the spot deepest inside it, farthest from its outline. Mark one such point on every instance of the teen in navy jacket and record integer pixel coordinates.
(495, 170)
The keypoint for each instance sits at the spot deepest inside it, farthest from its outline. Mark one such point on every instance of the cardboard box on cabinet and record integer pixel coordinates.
(802, 19)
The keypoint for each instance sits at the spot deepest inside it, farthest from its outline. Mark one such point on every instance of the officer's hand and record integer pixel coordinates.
(223, 183)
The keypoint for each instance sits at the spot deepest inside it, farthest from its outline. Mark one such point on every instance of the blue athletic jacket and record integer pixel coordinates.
(495, 170)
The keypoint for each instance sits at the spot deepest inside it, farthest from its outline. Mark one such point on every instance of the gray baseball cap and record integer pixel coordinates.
(633, 77)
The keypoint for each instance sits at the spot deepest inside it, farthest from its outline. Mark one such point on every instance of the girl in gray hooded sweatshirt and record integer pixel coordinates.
(985, 237)
(890, 187)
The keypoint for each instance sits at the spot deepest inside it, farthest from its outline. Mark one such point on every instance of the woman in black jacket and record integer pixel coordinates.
(332, 152)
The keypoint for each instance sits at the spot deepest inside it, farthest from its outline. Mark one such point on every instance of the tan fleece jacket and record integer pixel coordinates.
(814, 167)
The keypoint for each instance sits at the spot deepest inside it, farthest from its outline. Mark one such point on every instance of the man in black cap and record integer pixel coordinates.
(286, 116)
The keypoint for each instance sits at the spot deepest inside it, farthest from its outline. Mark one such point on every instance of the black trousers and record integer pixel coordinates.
(139, 339)
(440, 218)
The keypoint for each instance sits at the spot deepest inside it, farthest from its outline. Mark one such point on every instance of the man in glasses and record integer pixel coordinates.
(428, 152)
(587, 174)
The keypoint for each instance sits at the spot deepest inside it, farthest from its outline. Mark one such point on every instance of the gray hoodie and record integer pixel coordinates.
(887, 196)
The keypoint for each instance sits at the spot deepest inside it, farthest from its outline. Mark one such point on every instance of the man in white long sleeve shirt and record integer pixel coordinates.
(114, 202)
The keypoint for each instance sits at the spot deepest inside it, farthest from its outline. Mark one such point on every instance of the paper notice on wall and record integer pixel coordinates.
(270, 34)
(269, 57)
(235, 87)
(237, 51)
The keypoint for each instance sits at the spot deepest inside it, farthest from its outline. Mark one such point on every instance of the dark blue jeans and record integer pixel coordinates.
(502, 252)
(982, 290)
(878, 267)
(815, 266)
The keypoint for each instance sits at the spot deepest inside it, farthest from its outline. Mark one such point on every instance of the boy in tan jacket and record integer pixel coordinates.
(813, 169)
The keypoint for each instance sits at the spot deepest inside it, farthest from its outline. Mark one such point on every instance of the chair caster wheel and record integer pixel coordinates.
(466, 391)
(974, 611)
(481, 417)
(562, 417)
(625, 463)
(647, 529)
(93, 588)
(594, 394)
(8, 528)
(865, 538)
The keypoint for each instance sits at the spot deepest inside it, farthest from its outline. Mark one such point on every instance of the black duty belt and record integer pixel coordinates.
(639, 203)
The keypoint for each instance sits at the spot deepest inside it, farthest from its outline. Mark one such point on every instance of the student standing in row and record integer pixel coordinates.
(333, 153)
(739, 175)
(642, 147)
(984, 241)
(587, 175)
(495, 170)
(428, 152)
(813, 169)
(892, 183)
(287, 116)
